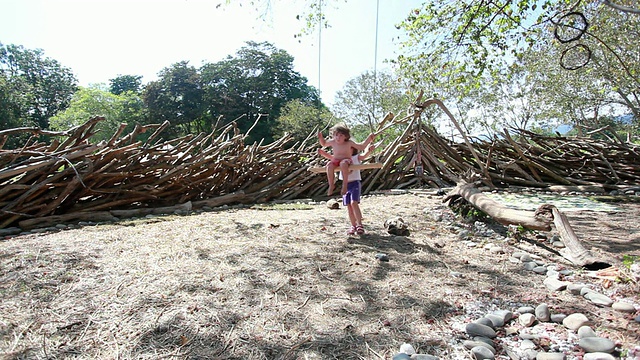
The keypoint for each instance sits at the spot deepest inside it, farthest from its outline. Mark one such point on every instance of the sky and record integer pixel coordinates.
(101, 39)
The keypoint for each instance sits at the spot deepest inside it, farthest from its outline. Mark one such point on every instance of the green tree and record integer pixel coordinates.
(123, 83)
(97, 100)
(367, 98)
(177, 97)
(301, 120)
(33, 87)
(259, 80)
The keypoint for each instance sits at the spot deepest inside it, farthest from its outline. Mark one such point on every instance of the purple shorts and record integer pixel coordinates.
(353, 193)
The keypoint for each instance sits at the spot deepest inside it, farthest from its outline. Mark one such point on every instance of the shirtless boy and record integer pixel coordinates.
(342, 147)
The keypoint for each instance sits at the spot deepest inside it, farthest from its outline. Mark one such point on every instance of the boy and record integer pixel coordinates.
(341, 146)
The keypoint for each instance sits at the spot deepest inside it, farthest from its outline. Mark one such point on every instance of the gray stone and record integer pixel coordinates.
(575, 289)
(526, 320)
(530, 265)
(407, 349)
(10, 231)
(585, 290)
(424, 357)
(485, 340)
(586, 331)
(554, 284)
(598, 299)
(505, 314)
(623, 307)
(598, 356)
(526, 310)
(496, 320)
(540, 269)
(542, 312)
(485, 321)
(401, 356)
(475, 329)
(470, 344)
(550, 356)
(527, 345)
(482, 353)
(575, 321)
(558, 318)
(596, 344)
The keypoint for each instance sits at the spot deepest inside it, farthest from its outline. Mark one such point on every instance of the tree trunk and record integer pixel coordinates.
(541, 219)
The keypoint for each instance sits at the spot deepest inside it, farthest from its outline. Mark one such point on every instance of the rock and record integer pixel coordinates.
(554, 284)
(496, 320)
(475, 329)
(525, 310)
(575, 289)
(485, 321)
(598, 356)
(530, 265)
(575, 321)
(550, 356)
(333, 204)
(505, 314)
(598, 299)
(526, 320)
(401, 356)
(596, 344)
(623, 307)
(540, 269)
(396, 226)
(382, 257)
(407, 349)
(470, 344)
(542, 312)
(424, 357)
(586, 331)
(558, 318)
(485, 340)
(482, 353)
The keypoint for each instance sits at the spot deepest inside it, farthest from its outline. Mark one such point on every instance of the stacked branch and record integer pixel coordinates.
(71, 179)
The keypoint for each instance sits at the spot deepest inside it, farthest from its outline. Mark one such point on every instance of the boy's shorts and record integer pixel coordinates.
(353, 192)
(336, 162)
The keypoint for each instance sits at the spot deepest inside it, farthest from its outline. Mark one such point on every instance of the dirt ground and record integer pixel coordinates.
(284, 281)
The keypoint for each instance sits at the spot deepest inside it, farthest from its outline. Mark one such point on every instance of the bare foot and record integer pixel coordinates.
(332, 187)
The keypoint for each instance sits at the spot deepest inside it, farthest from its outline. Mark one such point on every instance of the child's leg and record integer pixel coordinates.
(352, 215)
(331, 177)
(357, 214)
(344, 168)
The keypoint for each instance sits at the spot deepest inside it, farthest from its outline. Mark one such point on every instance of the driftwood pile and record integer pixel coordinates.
(72, 179)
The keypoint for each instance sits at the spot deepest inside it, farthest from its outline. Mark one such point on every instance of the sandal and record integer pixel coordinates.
(359, 229)
(352, 230)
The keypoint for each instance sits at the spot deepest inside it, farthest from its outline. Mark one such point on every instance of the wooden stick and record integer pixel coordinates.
(322, 169)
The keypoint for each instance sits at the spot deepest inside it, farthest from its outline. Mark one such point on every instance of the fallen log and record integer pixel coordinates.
(541, 219)
(497, 211)
(46, 221)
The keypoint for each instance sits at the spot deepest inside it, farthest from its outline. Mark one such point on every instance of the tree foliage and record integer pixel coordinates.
(367, 98)
(32, 87)
(255, 83)
(97, 100)
(123, 83)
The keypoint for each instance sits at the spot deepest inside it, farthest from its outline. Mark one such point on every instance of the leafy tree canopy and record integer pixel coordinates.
(32, 87)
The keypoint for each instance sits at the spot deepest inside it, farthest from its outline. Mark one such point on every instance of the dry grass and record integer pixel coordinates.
(270, 282)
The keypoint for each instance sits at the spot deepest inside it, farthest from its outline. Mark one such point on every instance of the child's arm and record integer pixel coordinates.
(321, 140)
(325, 154)
(367, 153)
(363, 145)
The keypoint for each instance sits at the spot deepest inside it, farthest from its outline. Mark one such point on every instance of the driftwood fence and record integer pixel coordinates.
(72, 179)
